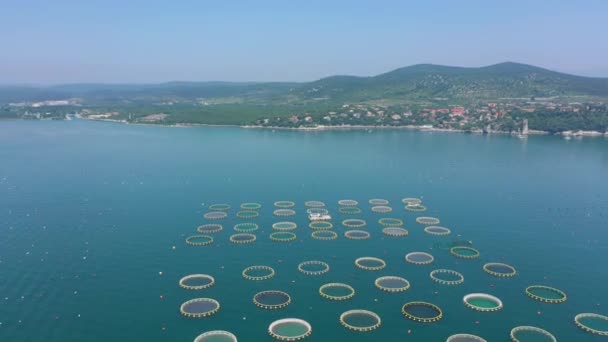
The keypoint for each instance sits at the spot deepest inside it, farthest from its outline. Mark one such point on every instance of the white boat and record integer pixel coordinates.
(319, 217)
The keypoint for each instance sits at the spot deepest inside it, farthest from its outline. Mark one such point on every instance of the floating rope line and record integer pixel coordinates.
(360, 320)
(290, 329)
(284, 225)
(271, 300)
(585, 321)
(219, 207)
(370, 263)
(242, 238)
(437, 230)
(258, 272)
(482, 302)
(390, 222)
(324, 235)
(422, 312)
(312, 267)
(337, 291)
(215, 215)
(395, 232)
(247, 214)
(530, 333)
(348, 203)
(320, 225)
(199, 240)
(284, 204)
(392, 284)
(419, 258)
(349, 210)
(447, 277)
(199, 307)
(246, 227)
(464, 252)
(282, 236)
(499, 269)
(356, 234)
(216, 335)
(196, 282)
(546, 294)
(209, 228)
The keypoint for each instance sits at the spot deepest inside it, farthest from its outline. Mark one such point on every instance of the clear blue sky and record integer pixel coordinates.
(64, 41)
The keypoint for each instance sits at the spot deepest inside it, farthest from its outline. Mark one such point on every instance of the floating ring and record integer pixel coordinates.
(247, 214)
(464, 252)
(395, 232)
(216, 335)
(415, 312)
(354, 223)
(282, 236)
(199, 307)
(196, 282)
(199, 240)
(348, 203)
(373, 264)
(349, 210)
(314, 272)
(411, 201)
(578, 320)
(242, 238)
(209, 228)
(215, 215)
(271, 300)
(354, 319)
(314, 204)
(546, 294)
(284, 225)
(531, 330)
(459, 278)
(315, 211)
(392, 284)
(419, 258)
(378, 201)
(284, 212)
(356, 234)
(250, 272)
(465, 338)
(219, 207)
(290, 329)
(390, 222)
(415, 207)
(427, 220)
(499, 269)
(324, 235)
(337, 291)
(320, 225)
(437, 230)
(251, 206)
(246, 227)
(482, 302)
(284, 204)
(381, 209)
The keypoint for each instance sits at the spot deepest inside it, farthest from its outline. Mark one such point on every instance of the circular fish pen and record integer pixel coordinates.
(427, 220)
(317, 211)
(284, 204)
(324, 235)
(258, 272)
(527, 333)
(283, 226)
(360, 320)
(348, 203)
(482, 302)
(289, 329)
(284, 212)
(592, 323)
(546, 294)
(242, 238)
(349, 210)
(357, 234)
(199, 307)
(337, 291)
(199, 240)
(437, 230)
(419, 258)
(465, 338)
(447, 277)
(220, 207)
(196, 282)
(415, 208)
(282, 236)
(246, 227)
(370, 263)
(390, 222)
(499, 269)
(464, 252)
(395, 232)
(215, 215)
(251, 206)
(247, 214)
(381, 209)
(411, 201)
(313, 267)
(216, 336)
(392, 284)
(209, 228)
(378, 201)
(422, 312)
(354, 223)
(314, 204)
(320, 225)
(271, 300)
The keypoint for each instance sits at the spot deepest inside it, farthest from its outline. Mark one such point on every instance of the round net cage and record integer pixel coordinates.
(284, 212)
(465, 338)
(314, 204)
(337, 291)
(415, 208)
(437, 230)
(199, 240)
(427, 221)
(527, 333)
(546, 294)
(356, 234)
(411, 201)
(370, 263)
(215, 215)
(378, 201)
(242, 238)
(219, 207)
(251, 206)
(390, 222)
(313, 267)
(317, 211)
(422, 312)
(209, 228)
(247, 214)
(324, 235)
(447, 277)
(216, 336)
(258, 272)
(246, 227)
(290, 329)
(392, 284)
(271, 300)
(196, 282)
(592, 323)
(482, 302)
(419, 258)
(282, 236)
(284, 204)
(199, 307)
(354, 223)
(349, 210)
(348, 203)
(499, 269)
(464, 252)
(395, 232)
(284, 225)
(381, 209)
(360, 320)
(320, 225)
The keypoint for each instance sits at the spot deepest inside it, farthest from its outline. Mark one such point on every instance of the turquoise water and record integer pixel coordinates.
(89, 213)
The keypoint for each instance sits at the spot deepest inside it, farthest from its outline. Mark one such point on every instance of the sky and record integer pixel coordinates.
(66, 41)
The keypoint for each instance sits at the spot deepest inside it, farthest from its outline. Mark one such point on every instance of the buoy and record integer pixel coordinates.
(161, 296)
(160, 273)
(476, 322)
(409, 331)
(173, 248)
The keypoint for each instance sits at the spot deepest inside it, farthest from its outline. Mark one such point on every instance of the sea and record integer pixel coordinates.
(94, 218)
